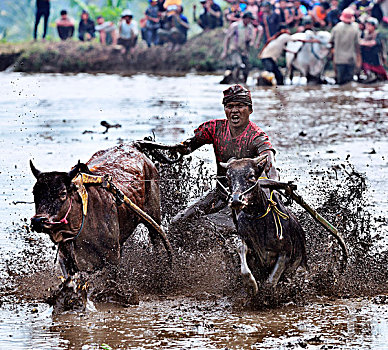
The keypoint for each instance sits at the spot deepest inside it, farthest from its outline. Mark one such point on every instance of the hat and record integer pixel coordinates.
(127, 12)
(237, 93)
(373, 21)
(347, 15)
(248, 15)
(202, 1)
(266, 4)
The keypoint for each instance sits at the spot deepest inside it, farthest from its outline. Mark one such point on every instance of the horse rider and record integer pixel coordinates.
(233, 137)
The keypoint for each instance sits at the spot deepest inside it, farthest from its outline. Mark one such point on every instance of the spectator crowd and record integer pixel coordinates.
(354, 25)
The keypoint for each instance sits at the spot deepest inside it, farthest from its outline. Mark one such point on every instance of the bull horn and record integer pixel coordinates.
(35, 171)
(260, 159)
(226, 165)
(73, 172)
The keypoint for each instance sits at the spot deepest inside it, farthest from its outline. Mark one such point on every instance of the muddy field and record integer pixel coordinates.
(331, 140)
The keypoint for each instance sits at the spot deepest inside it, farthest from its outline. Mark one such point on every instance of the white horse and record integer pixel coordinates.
(308, 58)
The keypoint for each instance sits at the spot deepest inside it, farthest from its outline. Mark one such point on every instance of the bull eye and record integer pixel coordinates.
(252, 178)
(63, 195)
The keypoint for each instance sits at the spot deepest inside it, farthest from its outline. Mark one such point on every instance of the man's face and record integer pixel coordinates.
(100, 20)
(84, 16)
(237, 114)
(247, 20)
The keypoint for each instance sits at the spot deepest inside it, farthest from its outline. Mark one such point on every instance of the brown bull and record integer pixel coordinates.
(270, 232)
(89, 241)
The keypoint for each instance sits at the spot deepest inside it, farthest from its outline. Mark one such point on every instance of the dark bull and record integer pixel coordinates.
(271, 234)
(86, 221)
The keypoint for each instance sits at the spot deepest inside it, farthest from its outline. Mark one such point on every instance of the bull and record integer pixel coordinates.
(90, 232)
(308, 58)
(272, 239)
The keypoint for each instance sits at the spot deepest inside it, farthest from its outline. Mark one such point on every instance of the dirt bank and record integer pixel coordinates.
(200, 53)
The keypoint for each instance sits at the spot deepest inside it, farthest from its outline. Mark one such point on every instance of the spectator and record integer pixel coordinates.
(372, 51)
(380, 11)
(211, 17)
(172, 6)
(152, 24)
(297, 14)
(234, 12)
(253, 8)
(345, 38)
(128, 32)
(285, 16)
(271, 21)
(107, 30)
(65, 26)
(333, 15)
(319, 13)
(42, 9)
(86, 30)
(241, 35)
(178, 25)
(363, 6)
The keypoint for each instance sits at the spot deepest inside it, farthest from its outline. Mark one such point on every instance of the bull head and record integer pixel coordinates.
(243, 175)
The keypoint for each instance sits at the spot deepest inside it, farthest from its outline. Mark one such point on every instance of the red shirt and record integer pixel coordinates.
(249, 144)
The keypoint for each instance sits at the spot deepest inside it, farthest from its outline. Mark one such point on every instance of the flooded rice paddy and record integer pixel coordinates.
(55, 120)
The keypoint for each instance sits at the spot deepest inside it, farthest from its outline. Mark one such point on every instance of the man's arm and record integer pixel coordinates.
(270, 169)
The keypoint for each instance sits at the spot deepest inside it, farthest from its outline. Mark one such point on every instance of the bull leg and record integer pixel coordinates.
(278, 270)
(246, 273)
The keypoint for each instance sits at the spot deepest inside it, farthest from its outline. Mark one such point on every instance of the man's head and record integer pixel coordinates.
(64, 14)
(282, 4)
(266, 7)
(247, 18)
(84, 15)
(100, 20)
(347, 15)
(127, 15)
(371, 24)
(237, 103)
(153, 2)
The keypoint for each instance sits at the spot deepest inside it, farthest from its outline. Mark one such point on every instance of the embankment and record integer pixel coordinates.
(200, 53)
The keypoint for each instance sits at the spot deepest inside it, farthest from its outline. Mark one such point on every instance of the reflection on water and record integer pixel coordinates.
(191, 324)
(55, 120)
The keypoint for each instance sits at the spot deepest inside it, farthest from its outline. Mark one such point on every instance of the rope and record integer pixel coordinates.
(277, 214)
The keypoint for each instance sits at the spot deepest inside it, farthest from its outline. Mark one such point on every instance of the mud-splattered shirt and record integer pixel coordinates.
(249, 144)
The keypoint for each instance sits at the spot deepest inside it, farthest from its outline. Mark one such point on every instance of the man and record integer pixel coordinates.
(107, 30)
(65, 26)
(42, 9)
(233, 137)
(372, 52)
(152, 24)
(271, 21)
(86, 29)
(211, 17)
(240, 36)
(176, 31)
(345, 38)
(128, 32)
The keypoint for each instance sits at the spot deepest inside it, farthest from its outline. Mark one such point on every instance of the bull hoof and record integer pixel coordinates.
(250, 283)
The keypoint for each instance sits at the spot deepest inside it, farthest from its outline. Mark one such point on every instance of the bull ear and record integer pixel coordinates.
(261, 160)
(73, 172)
(35, 171)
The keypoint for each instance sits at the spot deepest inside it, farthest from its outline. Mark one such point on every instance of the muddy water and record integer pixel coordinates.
(55, 120)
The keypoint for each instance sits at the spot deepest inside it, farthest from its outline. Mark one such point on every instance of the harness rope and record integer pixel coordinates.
(277, 214)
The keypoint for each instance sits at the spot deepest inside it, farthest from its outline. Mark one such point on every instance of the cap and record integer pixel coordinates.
(248, 15)
(373, 21)
(127, 12)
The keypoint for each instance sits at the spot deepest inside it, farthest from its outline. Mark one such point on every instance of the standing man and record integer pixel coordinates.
(345, 38)
(42, 9)
(239, 38)
(233, 137)
(128, 31)
(152, 23)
